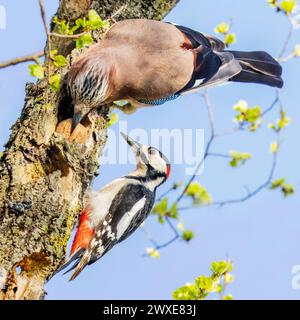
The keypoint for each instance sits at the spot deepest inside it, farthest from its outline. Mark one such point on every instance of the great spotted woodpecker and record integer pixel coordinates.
(118, 209)
(149, 62)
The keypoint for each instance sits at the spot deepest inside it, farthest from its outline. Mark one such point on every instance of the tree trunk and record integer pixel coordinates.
(43, 176)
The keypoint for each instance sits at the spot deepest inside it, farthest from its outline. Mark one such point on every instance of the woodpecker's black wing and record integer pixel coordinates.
(128, 210)
(141, 214)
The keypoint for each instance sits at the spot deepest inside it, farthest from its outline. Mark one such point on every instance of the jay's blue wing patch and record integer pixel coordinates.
(160, 101)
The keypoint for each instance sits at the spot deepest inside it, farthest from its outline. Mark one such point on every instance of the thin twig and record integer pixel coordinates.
(67, 36)
(251, 194)
(44, 19)
(163, 195)
(43, 15)
(219, 155)
(287, 40)
(117, 13)
(30, 57)
(78, 35)
(210, 141)
(273, 104)
(154, 243)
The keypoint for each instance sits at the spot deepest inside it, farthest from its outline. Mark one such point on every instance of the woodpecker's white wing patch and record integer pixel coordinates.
(127, 218)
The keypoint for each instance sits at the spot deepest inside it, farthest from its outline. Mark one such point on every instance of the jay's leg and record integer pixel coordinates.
(131, 106)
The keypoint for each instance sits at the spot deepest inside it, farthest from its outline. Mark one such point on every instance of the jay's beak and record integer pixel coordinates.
(77, 117)
(80, 112)
(135, 146)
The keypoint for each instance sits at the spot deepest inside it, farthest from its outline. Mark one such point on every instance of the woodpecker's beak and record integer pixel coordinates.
(135, 146)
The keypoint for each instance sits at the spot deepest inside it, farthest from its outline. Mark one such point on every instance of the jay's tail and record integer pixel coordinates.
(258, 67)
(214, 65)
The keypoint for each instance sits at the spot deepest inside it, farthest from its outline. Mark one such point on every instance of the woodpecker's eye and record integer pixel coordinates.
(152, 151)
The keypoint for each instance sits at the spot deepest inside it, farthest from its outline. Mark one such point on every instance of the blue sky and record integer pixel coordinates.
(261, 236)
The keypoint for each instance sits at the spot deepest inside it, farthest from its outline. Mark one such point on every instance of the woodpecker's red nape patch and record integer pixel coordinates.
(84, 233)
(168, 170)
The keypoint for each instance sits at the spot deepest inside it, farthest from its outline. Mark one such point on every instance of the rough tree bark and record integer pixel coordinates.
(43, 176)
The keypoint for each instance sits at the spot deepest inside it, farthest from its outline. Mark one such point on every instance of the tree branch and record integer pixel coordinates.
(43, 177)
(30, 57)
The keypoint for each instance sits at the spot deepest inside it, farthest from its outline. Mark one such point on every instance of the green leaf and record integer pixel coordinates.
(113, 118)
(1, 155)
(173, 211)
(274, 147)
(63, 27)
(296, 51)
(84, 40)
(286, 188)
(180, 226)
(161, 207)
(228, 297)
(273, 3)
(221, 267)
(95, 22)
(222, 28)
(153, 253)
(228, 278)
(247, 115)
(288, 6)
(60, 61)
(54, 82)
(241, 106)
(187, 292)
(187, 235)
(238, 158)
(105, 24)
(37, 71)
(230, 38)
(219, 288)
(198, 193)
(277, 183)
(205, 283)
(281, 123)
(80, 23)
(253, 114)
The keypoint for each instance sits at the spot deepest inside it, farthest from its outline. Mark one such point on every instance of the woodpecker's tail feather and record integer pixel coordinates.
(258, 67)
(80, 265)
(76, 256)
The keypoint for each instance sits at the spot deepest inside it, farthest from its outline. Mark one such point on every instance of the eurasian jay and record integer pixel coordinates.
(149, 62)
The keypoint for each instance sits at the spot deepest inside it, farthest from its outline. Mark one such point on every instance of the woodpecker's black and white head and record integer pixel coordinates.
(153, 168)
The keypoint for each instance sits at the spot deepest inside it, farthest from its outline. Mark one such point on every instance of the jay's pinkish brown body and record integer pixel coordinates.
(146, 61)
